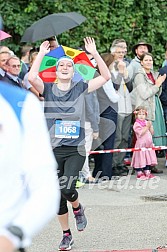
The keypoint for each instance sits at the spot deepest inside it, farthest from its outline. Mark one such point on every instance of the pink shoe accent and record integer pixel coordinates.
(142, 177)
(127, 161)
(66, 234)
(150, 176)
(76, 212)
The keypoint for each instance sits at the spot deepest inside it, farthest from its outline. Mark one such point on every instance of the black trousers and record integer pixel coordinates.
(107, 131)
(70, 161)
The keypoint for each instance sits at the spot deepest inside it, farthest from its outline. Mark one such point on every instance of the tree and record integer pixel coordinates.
(106, 20)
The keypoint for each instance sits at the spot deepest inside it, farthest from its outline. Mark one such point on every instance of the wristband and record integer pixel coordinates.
(16, 231)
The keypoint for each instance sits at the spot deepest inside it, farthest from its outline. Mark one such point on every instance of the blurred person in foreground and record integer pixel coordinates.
(29, 190)
(163, 96)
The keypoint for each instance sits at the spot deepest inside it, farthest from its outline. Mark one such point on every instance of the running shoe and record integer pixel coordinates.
(81, 220)
(66, 242)
(166, 162)
(79, 184)
(127, 161)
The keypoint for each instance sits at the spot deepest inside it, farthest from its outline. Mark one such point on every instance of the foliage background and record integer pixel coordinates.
(132, 20)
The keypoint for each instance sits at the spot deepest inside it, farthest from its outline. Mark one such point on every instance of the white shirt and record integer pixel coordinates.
(2, 72)
(111, 92)
(26, 83)
(29, 190)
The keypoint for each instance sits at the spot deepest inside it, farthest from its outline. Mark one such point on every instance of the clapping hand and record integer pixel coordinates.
(150, 127)
(160, 80)
(95, 135)
(148, 124)
(121, 66)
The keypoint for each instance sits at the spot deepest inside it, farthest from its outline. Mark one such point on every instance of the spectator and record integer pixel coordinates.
(92, 119)
(4, 56)
(120, 78)
(146, 92)
(143, 160)
(25, 52)
(12, 71)
(165, 61)
(53, 42)
(138, 50)
(6, 49)
(122, 43)
(108, 104)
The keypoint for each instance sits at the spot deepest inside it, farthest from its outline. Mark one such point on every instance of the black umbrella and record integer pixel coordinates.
(52, 25)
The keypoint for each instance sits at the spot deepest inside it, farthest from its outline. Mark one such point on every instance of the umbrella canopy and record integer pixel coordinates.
(84, 70)
(4, 35)
(52, 25)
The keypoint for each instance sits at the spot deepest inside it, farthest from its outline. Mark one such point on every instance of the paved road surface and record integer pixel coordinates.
(121, 216)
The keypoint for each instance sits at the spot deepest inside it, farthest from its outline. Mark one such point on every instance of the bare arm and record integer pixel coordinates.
(6, 245)
(33, 78)
(160, 80)
(104, 71)
(151, 129)
(35, 92)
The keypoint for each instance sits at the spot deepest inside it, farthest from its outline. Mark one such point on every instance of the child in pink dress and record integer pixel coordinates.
(142, 160)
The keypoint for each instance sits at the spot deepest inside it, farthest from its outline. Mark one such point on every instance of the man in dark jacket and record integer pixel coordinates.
(4, 56)
(163, 96)
(12, 71)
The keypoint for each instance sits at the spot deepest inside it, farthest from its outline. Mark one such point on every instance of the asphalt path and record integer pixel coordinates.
(124, 214)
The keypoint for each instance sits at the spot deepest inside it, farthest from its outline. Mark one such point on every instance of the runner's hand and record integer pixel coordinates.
(45, 47)
(90, 45)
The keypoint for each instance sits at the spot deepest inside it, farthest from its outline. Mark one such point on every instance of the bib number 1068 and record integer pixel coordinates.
(67, 129)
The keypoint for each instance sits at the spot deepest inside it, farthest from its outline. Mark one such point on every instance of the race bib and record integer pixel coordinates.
(67, 129)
